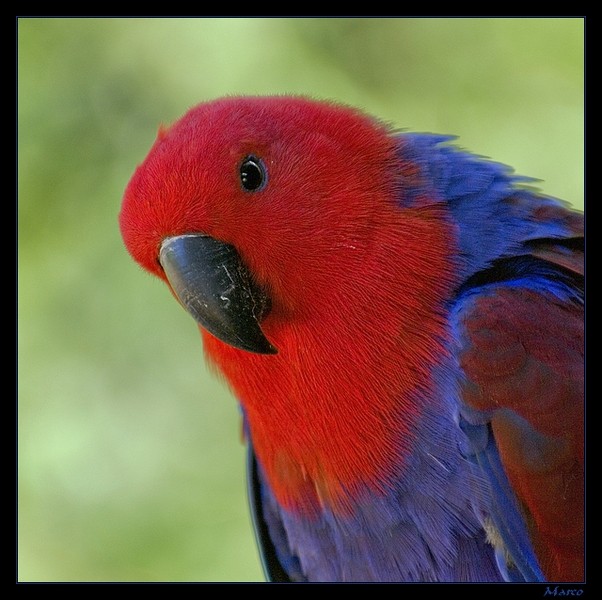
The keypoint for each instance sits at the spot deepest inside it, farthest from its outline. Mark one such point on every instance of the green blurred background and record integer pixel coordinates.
(130, 461)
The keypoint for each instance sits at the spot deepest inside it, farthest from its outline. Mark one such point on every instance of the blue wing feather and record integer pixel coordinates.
(505, 512)
(496, 213)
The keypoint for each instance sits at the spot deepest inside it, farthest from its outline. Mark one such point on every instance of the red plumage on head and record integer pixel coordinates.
(355, 283)
(427, 309)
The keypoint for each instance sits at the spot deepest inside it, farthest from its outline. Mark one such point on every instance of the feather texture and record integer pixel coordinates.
(423, 418)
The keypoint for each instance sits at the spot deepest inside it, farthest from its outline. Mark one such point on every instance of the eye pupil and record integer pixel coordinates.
(252, 174)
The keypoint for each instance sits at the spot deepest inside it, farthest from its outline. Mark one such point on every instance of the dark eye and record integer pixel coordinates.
(253, 175)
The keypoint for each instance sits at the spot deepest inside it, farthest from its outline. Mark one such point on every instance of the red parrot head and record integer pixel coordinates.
(268, 194)
(387, 310)
(280, 224)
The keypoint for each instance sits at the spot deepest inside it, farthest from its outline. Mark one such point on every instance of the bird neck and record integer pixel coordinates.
(336, 409)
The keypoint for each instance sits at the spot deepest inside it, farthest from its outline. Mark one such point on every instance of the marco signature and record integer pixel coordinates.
(562, 591)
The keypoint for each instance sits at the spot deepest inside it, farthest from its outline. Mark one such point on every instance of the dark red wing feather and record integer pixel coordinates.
(524, 362)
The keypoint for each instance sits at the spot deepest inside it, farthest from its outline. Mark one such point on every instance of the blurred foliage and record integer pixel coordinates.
(130, 461)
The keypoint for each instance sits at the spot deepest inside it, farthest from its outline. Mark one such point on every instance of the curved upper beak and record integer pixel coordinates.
(211, 282)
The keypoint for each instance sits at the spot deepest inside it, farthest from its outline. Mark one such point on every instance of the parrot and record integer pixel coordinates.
(401, 322)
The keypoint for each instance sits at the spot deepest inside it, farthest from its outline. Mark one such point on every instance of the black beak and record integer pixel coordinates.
(211, 282)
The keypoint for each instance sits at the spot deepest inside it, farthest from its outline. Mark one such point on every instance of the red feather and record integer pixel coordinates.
(318, 376)
(341, 307)
(359, 291)
(524, 362)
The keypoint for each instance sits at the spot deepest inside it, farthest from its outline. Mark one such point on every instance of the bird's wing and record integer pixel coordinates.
(521, 326)
(278, 562)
